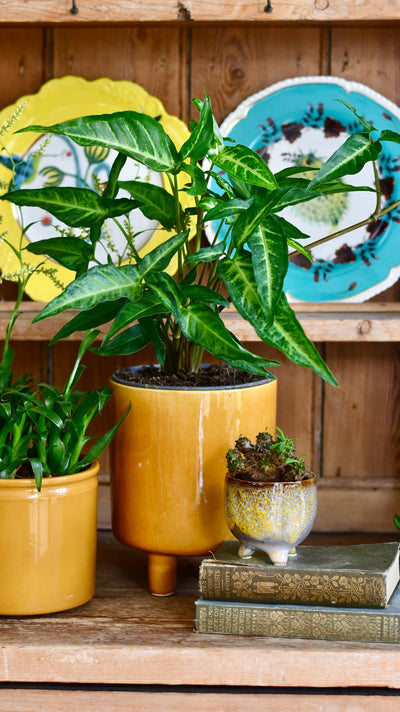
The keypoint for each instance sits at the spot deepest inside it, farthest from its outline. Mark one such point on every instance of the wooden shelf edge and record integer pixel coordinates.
(110, 11)
(321, 322)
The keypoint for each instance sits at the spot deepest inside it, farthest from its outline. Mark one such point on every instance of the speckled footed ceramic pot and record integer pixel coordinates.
(271, 516)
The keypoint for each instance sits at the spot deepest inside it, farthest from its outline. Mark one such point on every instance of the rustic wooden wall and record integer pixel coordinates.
(350, 433)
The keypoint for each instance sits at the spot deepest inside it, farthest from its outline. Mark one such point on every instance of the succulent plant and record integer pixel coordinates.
(269, 459)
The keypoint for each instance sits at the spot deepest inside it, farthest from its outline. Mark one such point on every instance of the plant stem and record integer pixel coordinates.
(373, 218)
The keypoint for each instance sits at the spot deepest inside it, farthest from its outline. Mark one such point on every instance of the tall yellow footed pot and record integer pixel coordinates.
(48, 543)
(168, 466)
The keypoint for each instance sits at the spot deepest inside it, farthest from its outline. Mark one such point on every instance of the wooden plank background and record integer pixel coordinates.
(352, 433)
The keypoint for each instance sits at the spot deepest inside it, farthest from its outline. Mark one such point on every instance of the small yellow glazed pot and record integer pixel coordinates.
(271, 516)
(48, 543)
(168, 466)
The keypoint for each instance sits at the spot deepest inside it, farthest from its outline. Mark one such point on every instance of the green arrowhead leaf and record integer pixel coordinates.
(99, 284)
(349, 159)
(200, 140)
(388, 135)
(89, 319)
(246, 165)
(207, 254)
(227, 209)
(136, 135)
(200, 293)
(70, 252)
(155, 202)
(147, 305)
(158, 259)
(76, 207)
(269, 252)
(127, 342)
(286, 333)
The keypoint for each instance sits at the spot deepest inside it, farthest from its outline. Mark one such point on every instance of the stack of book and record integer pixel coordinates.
(324, 592)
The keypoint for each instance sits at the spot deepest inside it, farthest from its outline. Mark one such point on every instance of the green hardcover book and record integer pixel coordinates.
(360, 576)
(314, 622)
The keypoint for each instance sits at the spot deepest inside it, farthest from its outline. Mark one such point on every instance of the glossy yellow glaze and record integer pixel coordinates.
(48, 543)
(271, 516)
(60, 100)
(168, 462)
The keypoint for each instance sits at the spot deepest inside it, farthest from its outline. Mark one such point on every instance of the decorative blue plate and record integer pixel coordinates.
(300, 122)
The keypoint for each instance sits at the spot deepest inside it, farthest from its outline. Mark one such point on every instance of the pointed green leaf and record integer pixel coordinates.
(158, 259)
(147, 305)
(37, 469)
(76, 207)
(367, 125)
(197, 145)
(90, 319)
(155, 202)
(388, 135)
(99, 284)
(207, 254)
(300, 248)
(349, 159)
(136, 135)
(286, 333)
(249, 220)
(227, 209)
(70, 252)
(291, 231)
(152, 329)
(246, 165)
(125, 343)
(269, 252)
(101, 444)
(200, 293)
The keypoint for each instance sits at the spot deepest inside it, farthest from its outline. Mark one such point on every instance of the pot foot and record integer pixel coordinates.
(245, 552)
(162, 574)
(278, 557)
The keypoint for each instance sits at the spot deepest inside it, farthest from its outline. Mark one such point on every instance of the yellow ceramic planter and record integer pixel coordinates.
(168, 467)
(48, 543)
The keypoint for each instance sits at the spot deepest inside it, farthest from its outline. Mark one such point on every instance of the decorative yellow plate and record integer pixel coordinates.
(64, 163)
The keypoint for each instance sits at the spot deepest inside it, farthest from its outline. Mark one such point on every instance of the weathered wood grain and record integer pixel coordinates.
(126, 636)
(190, 701)
(153, 57)
(196, 10)
(362, 417)
(233, 62)
(369, 322)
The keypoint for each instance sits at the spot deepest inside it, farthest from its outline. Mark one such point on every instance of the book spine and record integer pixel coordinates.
(231, 582)
(287, 622)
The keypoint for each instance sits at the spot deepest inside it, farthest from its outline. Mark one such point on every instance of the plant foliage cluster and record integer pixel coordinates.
(245, 265)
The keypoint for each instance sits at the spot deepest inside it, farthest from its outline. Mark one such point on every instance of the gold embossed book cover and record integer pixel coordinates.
(360, 576)
(314, 622)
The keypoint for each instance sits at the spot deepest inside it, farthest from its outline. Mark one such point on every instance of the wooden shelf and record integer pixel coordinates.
(124, 636)
(110, 11)
(322, 322)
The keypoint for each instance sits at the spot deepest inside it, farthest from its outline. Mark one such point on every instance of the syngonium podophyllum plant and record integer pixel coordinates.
(43, 429)
(245, 265)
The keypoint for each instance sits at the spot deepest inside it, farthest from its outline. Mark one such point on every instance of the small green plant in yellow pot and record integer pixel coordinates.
(48, 478)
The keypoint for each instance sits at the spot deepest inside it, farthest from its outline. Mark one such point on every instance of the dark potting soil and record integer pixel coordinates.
(214, 375)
